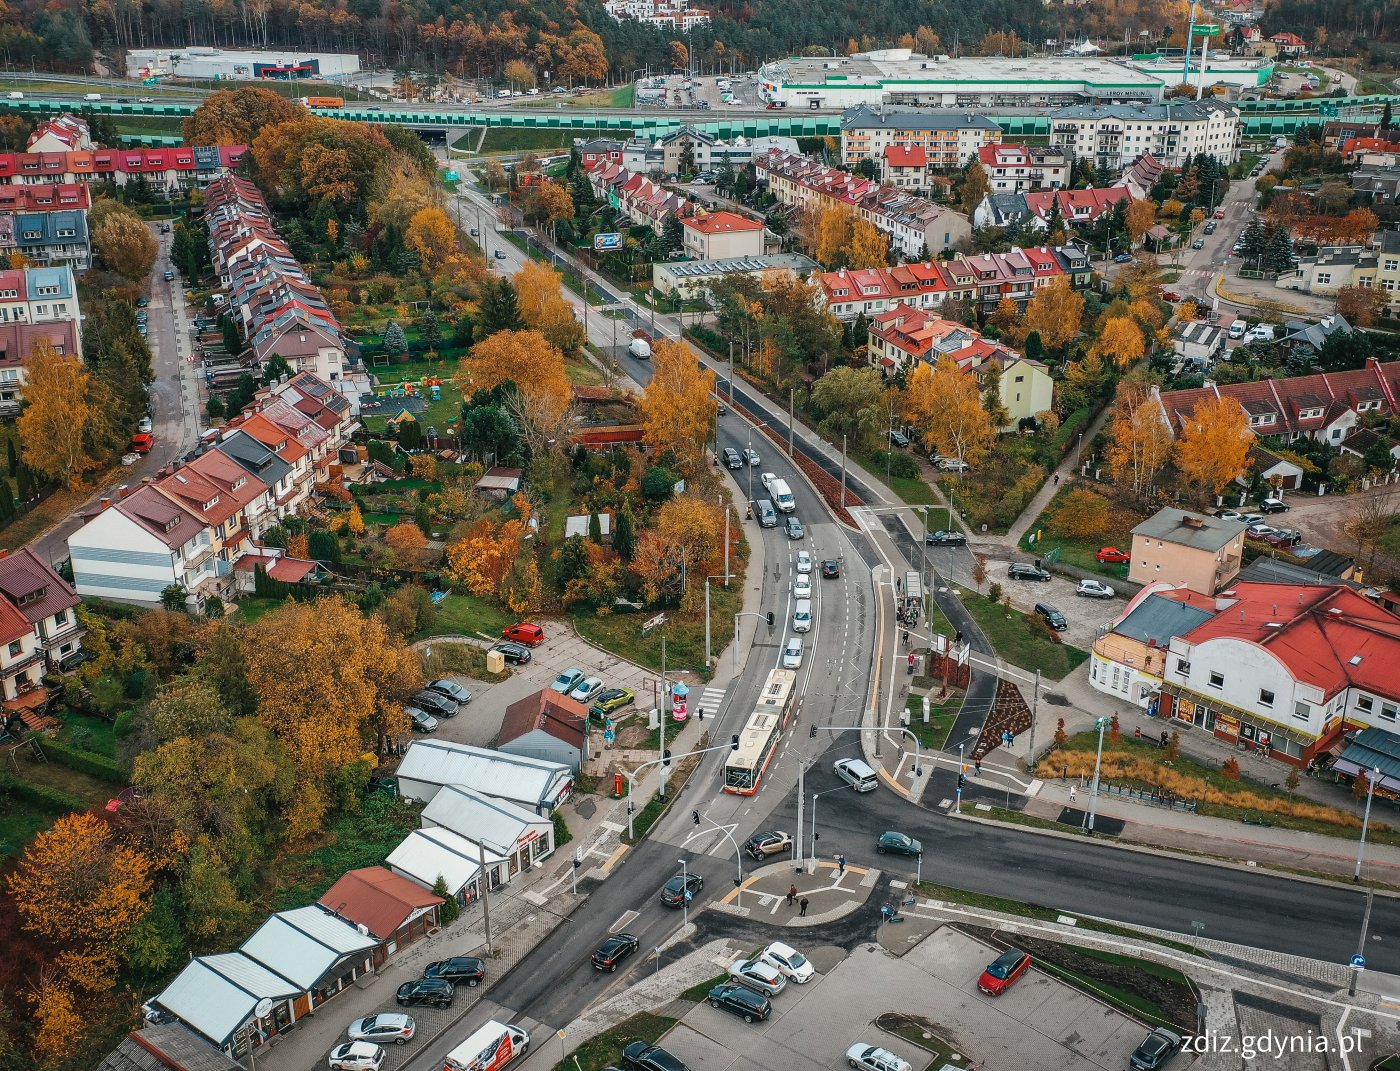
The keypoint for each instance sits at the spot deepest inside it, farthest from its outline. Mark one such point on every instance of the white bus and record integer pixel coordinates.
(744, 768)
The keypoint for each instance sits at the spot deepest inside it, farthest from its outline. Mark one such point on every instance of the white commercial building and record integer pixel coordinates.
(426, 855)
(1242, 72)
(1115, 135)
(199, 61)
(500, 823)
(901, 76)
(535, 784)
(693, 278)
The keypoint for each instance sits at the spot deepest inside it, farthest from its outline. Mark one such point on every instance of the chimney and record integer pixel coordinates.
(103, 503)
(1192, 521)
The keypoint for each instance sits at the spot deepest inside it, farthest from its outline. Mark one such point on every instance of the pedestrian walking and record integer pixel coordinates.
(840, 866)
(792, 894)
(1071, 793)
(977, 766)
(1057, 479)
(906, 637)
(898, 585)
(802, 912)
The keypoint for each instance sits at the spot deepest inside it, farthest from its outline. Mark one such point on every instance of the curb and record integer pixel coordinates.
(1166, 853)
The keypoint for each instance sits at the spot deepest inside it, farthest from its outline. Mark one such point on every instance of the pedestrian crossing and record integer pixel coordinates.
(710, 701)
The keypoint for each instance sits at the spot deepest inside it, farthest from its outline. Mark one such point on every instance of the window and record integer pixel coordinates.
(1266, 697)
(1217, 680)
(1302, 711)
(15, 648)
(1389, 710)
(1365, 703)
(60, 619)
(1183, 667)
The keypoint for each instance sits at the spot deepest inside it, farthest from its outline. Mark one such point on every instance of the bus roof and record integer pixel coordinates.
(753, 740)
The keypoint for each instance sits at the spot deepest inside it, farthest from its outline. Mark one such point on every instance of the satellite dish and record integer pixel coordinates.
(263, 1008)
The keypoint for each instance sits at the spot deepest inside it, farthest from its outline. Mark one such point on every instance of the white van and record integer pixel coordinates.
(802, 616)
(92, 96)
(491, 1047)
(16, 96)
(857, 774)
(1238, 328)
(782, 496)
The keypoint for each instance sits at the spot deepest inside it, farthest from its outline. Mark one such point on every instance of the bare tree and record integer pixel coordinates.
(1368, 525)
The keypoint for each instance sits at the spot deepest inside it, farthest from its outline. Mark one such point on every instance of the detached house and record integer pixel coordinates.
(1017, 168)
(548, 726)
(47, 603)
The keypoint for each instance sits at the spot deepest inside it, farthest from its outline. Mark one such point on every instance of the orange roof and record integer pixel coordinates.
(378, 900)
(281, 442)
(721, 222)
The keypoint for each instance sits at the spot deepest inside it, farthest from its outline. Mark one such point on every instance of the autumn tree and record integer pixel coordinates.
(539, 291)
(1361, 305)
(851, 402)
(869, 247)
(1140, 441)
(83, 889)
(432, 235)
(1139, 219)
(678, 406)
(124, 242)
(974, 187)
(943, 404)
(1121, 341)
(405, 536)
(834, 226)
(1056, 312)
(1213, 446)
(1082, 514)
(236, 116)
(541, 400)
(65, 420)
(518, 75)
(687, 544)
(549, 203)
(331, 684)
(313, 158)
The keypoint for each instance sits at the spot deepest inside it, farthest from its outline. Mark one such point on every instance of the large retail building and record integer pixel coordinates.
(199, 61)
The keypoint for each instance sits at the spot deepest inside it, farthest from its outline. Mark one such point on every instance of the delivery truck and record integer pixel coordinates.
(640, 346)
(490, 1048)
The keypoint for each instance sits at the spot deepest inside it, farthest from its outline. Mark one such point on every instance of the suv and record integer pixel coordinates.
(1053, 617)
(513, 653)
(742, 1001)
(732, 460)
(1156, 1049)
(435, 991)
(1273, 505)
(459, 970)
(762, 845)
(1022, 571)
(899, 439)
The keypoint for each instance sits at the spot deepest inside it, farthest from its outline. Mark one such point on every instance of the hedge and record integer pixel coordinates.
(47, 798)
(98, 766)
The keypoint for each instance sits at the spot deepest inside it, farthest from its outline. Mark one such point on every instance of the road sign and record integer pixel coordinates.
(1208, 30)
(607, 240)
(1358, 962)
(652, 624)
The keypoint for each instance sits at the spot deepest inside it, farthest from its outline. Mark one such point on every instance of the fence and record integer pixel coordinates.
(1153, 797)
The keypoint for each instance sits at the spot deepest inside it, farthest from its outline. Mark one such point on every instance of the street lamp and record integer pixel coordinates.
(733, 745)
(685, 896)
(1101, 724)
(485, 886)
(1371, 778)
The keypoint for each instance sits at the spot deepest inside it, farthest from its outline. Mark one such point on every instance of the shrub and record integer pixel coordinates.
(994, 592)
(1230, 769)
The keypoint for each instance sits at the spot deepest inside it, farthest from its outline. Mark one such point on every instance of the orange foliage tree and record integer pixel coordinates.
(678, 407)
(406, 536)
(526, 359)
(1213, 447)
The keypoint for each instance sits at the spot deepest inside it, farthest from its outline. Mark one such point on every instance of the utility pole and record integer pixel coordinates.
(843, 472)
(801, 800)
(1102, 724)
(792, 395)
(1035, 709)
(661, 713)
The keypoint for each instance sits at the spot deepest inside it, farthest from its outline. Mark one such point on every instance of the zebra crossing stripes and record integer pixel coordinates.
(710, 700)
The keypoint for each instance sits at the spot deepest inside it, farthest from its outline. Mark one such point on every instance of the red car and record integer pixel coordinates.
(529, 635)
(1113, 554)
(1004, 971)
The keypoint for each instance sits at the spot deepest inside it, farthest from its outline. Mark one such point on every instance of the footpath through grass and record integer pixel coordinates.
(1022, 640)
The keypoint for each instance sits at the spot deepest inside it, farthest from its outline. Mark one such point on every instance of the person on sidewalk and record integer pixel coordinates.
(792, 894)
(802, 908)
(976, 766)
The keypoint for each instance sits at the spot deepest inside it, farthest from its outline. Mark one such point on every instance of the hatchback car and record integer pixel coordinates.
(751, 456)
(1229, 515)
(1022, 571)
(452, 690)
(681, 890)
(169, 276)
(1259, 531)
(459, 970)
(608, 955)
(769, 842)
(804, 562)
(1273, 505)
(899, 844)
(792, 653)
(423, 722)
(1155, 1050)
(435, 991)
(1004, 971)
(513, 653)
(945, 539)
(567, 681)
(953, 464)
(1093, 589)
(1051, 616)
(1123, 258)
(795, 966)
(356, 1056)
(794, 529)
(757, 975)
(586, 689)
(802, 586)
(742, 1001)
(1199, 243)
(384, 1028)
(611, 699)
(831, 569)
(1113, 554)
(865, 1057)
(644, 1056)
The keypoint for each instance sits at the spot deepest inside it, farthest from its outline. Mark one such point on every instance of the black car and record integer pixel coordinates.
(680, 890)
(513, 653)
(1022, 571)
(1156, 1049)
(732, 460)
(644, 1056)
(1052, 616)
(459, 970)
(452, 690)
(1273, 505)
(899, 439)
(742, 1001)
(614, 950)
(435, 991)
(831, 569)
(946, 539)
(434, 703)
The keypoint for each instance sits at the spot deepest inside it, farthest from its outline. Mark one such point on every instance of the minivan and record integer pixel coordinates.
(802, 616)
(767, 515)
(782, 496)
(856, 773)
(732, 460)
(1053, 617)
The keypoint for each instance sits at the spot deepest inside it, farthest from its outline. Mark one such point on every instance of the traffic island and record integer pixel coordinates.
(830, 893)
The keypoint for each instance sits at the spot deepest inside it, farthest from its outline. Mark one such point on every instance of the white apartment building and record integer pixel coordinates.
(1114, 135)
(947, 139)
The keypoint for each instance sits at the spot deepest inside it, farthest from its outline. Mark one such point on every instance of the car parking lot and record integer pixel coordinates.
(1039, 1022)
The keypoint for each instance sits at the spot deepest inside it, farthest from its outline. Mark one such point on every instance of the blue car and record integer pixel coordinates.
(1122, 258)
(899, 843)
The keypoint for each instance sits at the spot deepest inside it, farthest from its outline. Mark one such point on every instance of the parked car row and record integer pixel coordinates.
(439, 699)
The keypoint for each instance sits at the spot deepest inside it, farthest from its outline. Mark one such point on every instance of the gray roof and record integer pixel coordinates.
(475, 815)
(1200, 333)
(908, 119)
(305, 943)
(1008, 206)
(1203, 533)
(1316, 334)
(1374, 749)
(259, 460)
(215, 995)
(1158, 618)
(532, 782)
(162, 1046)
(1184, 110)
(691, 269)
(1277, 571)
(1390, 241)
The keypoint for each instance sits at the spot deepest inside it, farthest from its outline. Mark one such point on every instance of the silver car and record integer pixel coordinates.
(383, 1028)
(758, 975)
(1093, 589)
(587, 689)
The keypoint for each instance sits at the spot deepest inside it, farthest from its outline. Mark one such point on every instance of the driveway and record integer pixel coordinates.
(1038, 1023)
(1324, 520)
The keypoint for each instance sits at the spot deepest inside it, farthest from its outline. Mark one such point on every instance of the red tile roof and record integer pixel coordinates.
(24, 574)
(377, 899)
(906, 156)
(547, 710)
(721, 223)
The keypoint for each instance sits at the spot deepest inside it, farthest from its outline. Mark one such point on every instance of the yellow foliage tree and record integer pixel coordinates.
(869, 248)
(355, 521)
(60, 1025)
(83, 890)
(406, 536)
(482, 558)
(125, 243)
(235, 116)
(944, 405)
(1214, 443)
(1139, 439)
(331, 683)
(65, 417)
(1081, 515)
(1139, 218)
(1121, 341)
(678, 407)
(432, 236)
(527, 359)
(539, 293)
(833, 237)
(1056, 312)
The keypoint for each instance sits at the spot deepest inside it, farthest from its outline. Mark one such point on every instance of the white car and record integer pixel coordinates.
(802, 586)
(383, 1028)
(587, 689)
(873, 1058)
(756, 974)
(1094, 589)
(953, 464)
(751, 456)
(356, 1056)
(804, 561)
(766, 478)
(794, 965)
(792, 653)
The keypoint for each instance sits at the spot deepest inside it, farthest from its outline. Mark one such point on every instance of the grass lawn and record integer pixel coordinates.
(442, 414)
(1389, 543)
(914, 491)
(58, 507)
(701, 990)
(918, 1032)
(86, 733)
(507, 139)
(146, 125)
(942, 715)
(583, 372)
(254, 607)
(461, 614)
(352, 841)
(605, 1050)
(1081, 552)
(20, 820)
(444, 659)
(1022, 641)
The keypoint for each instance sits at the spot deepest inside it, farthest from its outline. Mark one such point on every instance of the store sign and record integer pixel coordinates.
(1226, 724)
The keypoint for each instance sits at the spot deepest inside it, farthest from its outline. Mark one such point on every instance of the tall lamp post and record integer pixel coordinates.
(1101, 724)
(485, 880)
(1371, 777)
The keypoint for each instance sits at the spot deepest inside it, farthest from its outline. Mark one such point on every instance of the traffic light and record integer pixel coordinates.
(695, 817)
(813, 734)
(770, 622)
(962, 780)
(666, 757)
(734, 742)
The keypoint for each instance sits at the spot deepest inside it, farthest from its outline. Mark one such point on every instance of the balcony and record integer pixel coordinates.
(64, 634)
(19, 665)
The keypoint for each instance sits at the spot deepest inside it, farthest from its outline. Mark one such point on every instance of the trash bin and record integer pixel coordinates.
(495, 662)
